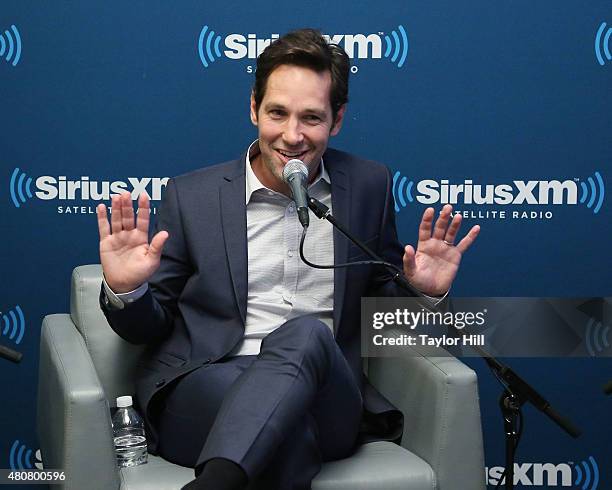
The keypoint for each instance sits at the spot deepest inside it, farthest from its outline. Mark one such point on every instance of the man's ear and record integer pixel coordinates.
(338, 122)
(253, 110)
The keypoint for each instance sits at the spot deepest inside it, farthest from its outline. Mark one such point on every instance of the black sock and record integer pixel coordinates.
(219, 474)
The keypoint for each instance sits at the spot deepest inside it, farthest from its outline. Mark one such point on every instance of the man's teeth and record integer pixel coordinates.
(284, 153)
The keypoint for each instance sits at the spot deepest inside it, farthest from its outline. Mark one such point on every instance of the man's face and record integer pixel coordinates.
(294, 121)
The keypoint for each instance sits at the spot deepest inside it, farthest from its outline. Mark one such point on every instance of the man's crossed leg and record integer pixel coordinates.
(276, 416)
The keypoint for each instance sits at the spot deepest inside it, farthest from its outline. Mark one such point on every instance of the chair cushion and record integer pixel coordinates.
(156, 474)
(375, 466)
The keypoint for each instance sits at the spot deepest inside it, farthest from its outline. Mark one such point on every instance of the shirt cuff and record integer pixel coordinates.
(436, 300)
(119, 300)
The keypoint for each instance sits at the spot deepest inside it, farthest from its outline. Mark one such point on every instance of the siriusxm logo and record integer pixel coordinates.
(10, 45)
(20, 457)
(583, 475)
(603, 42)
(589, 192)
(13, 324)
(48, 187)
(394, 47)
(597, 337)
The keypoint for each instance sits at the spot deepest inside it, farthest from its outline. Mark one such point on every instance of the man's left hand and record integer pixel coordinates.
(434, 265)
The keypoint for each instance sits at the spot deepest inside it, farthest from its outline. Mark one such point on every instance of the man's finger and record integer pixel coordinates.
(157, 244)
(142, 220)
(442, 222)
(409, 260)
(425, 226)
(468, 239)
(453, 229)
(103, 225)
(116, 225)
(127, 211)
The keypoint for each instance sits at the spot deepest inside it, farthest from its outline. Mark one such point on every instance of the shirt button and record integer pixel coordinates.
(290, 253)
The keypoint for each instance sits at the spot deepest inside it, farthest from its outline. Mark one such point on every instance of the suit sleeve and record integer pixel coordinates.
(150, 318)
(389, 248)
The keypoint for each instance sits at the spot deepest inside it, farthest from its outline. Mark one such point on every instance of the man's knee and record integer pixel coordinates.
(309, 329)
(305, 334)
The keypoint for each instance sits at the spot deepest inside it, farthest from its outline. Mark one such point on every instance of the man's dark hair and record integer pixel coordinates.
(306, 48)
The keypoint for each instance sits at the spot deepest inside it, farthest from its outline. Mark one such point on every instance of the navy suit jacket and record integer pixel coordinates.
(195, 308)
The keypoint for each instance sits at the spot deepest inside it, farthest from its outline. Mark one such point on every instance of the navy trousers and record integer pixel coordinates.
(278, 414)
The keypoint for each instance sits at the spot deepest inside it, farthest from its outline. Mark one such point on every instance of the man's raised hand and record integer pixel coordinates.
(128, 259)
(434, 265)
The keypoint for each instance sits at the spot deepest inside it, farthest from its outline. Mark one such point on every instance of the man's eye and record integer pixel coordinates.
(276, 113)
(313, 118)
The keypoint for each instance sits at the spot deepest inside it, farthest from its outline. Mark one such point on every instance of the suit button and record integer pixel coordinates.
(161, 382)
(207, 361)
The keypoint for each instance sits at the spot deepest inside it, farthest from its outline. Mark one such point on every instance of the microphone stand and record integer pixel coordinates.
(10, 354)
(517, 391)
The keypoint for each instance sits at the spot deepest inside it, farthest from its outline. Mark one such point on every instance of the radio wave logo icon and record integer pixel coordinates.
(397, 45)
(10, 43)
(20, 457)
(13, 324)
(207, 42)
(20, 187)
(587, 474)
(597, 337)
(593, 194)
(402, 191)
(602, 42)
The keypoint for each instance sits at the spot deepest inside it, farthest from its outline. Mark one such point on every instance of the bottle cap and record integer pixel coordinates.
(124, 401)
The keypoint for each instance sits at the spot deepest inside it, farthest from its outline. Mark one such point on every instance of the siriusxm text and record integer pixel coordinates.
(50, 187)
(534, 474)
(356, 45)
(519, 192)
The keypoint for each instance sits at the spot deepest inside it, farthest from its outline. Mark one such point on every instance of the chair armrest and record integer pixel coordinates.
(438, 396)
(73, 418)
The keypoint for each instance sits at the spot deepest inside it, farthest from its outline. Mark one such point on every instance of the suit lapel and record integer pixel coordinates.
(233, 219)
(340, 209)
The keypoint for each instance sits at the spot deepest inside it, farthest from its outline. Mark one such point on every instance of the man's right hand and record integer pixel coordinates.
(127, 258)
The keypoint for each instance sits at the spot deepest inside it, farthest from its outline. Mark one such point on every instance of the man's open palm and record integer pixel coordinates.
(128, 260)
(432, 267)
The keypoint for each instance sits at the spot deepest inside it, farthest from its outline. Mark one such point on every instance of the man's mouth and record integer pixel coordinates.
(289, 155)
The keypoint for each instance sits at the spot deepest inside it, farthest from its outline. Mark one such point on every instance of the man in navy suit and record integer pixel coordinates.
(255, 371)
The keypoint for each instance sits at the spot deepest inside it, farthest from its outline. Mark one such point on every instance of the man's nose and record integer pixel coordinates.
(292, 134)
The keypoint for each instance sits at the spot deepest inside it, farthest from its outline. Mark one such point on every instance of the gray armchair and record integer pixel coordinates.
(84, 365)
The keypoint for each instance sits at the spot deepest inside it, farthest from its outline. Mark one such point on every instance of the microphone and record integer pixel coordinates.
(295, 174)
(10, 354)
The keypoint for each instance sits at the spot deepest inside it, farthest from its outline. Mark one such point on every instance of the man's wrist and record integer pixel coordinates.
(119, 300)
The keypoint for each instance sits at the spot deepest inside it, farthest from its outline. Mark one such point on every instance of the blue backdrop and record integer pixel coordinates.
(512, 96)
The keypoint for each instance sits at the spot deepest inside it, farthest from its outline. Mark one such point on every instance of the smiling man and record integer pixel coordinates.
(295, 119)
(254, 374)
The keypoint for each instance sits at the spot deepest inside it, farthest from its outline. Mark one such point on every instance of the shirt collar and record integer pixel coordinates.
(253, 183)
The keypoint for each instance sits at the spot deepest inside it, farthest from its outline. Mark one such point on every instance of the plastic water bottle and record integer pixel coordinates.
(129, 434)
